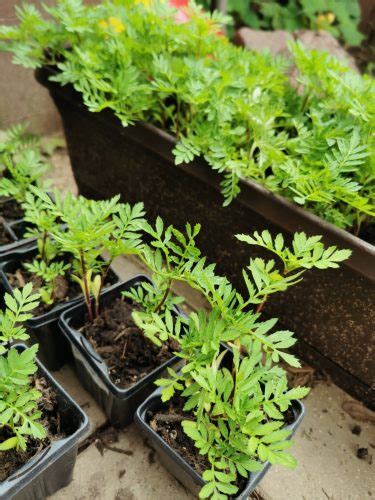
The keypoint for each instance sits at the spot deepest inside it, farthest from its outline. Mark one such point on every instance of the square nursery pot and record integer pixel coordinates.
(332, 311)
(179, 467)
(52, 468)
(54, 350)
(15, 231)
(118, 404)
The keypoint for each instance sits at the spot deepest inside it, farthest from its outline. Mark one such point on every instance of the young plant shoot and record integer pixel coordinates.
(19, 413)
(87, 229)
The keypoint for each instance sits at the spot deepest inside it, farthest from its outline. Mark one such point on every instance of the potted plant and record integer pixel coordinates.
(222, 419)
(51, 266)
(21, 166)
(300, 157)
(116, 362)
(40, 424)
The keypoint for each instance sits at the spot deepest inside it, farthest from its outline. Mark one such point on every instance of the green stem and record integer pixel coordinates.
(86, 288)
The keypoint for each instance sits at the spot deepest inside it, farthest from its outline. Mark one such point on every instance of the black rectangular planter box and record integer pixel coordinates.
(332, 311)
(52, 468)
(54, 350)
(177, 465)
(118, 404)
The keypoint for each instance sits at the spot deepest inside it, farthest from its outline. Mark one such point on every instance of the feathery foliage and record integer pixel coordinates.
(19, 412)
(238, 109)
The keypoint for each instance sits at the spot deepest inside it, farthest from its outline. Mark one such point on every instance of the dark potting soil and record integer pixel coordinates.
(12, 460)
(129, 355)
(368, 234)
(10, 209)
(4, 239)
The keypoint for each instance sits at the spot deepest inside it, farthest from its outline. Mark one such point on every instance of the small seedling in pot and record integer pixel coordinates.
(51, 275)
(19, 413)
(88, 229)
(236, 397)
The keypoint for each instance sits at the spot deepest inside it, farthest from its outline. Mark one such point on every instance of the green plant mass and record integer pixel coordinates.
(19, 413)
(310, 140)
(21, 162)
(234, 389)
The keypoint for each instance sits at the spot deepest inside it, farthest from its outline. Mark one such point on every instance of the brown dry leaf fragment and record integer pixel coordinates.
(358, 411)
(61, 288)
(20, 278)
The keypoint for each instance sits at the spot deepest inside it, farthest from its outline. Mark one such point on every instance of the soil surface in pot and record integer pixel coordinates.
(65, 288)
(12, 460)
(10, 209)
(368, 234)
(129, 355)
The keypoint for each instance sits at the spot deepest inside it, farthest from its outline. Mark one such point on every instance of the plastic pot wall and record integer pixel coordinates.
(177, 465)
(332, 312)
(51, 469)
(54, 350)
(118, 404)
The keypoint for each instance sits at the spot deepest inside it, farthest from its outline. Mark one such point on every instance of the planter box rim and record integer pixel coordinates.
(82, 344)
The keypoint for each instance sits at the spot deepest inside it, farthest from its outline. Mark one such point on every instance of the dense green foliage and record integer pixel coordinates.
(19, 412)
(339, 17)
(312, 142)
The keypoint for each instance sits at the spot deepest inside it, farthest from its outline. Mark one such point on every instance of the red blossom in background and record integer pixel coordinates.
(181, 16)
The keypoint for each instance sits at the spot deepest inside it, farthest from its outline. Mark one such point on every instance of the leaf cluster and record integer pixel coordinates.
(22, 163)
(19, 413)
(235, 392)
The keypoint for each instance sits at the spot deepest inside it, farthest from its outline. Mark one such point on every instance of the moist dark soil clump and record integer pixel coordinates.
(12, 460)
(10, 209)
(129, 355)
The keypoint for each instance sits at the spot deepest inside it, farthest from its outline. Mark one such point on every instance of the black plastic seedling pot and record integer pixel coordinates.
(54, 350)
(332, 312)
(118, 404)
(177, 465)
(15, 231)
(52, 468)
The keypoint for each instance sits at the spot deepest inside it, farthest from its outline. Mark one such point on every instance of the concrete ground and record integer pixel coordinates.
(336, 431)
